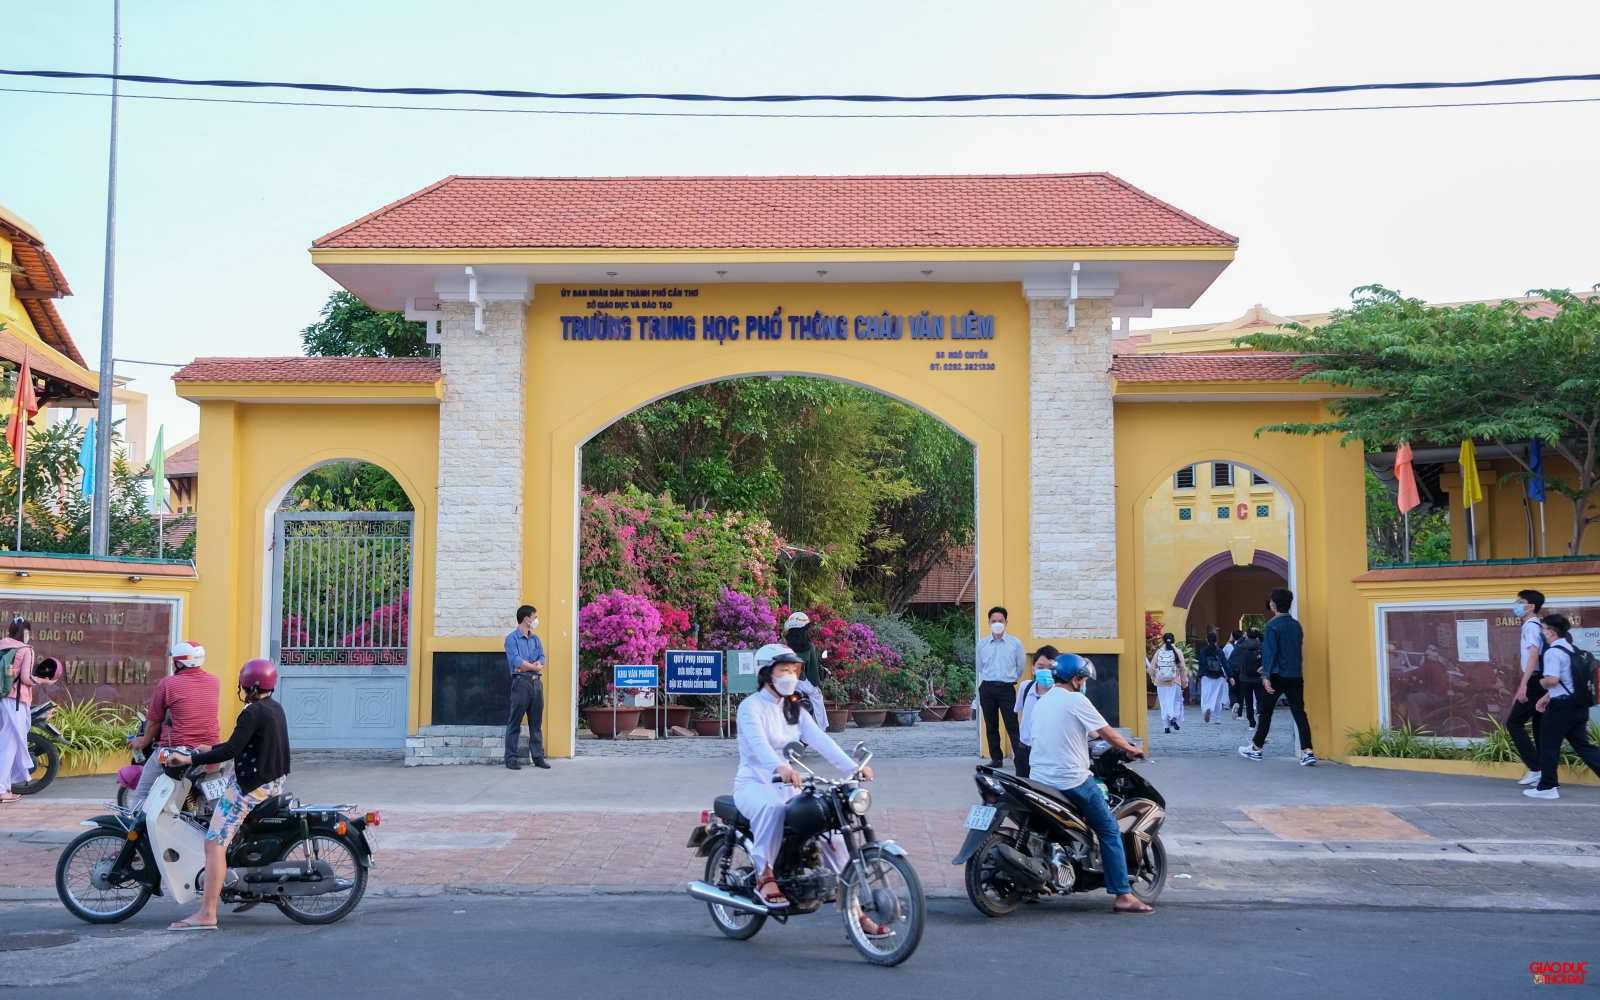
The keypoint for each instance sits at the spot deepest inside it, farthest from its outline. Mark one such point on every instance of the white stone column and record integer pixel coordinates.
(482, 421)
(1071, 484)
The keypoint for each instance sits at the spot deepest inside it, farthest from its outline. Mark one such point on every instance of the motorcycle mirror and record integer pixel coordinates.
(794, 750)
(860, 751)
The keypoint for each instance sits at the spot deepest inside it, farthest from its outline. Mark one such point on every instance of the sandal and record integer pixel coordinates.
(775, 899)
(1135, 908)
(875, 932)
(10, 797)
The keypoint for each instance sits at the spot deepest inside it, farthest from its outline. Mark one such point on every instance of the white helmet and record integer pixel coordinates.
(797, 620)
(188, 654)
(772, 651)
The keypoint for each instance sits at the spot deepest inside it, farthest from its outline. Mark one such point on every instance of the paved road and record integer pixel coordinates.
(455, 946)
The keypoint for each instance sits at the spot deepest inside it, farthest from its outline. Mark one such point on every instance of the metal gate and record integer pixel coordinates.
(341, 608)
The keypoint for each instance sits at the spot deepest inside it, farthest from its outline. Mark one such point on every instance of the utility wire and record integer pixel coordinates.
(821, 116)
(1133, 95)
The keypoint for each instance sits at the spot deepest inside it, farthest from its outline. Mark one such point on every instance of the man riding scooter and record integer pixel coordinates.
(189, 697)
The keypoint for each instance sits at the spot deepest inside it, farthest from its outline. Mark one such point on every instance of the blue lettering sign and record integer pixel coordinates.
(634, 675)
(694, 671)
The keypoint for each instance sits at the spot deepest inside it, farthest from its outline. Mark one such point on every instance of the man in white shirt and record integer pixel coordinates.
(1530, 648)
(1001, 660)
(1063, 723)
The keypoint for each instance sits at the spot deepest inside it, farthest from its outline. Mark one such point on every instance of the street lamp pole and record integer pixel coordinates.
(100, 515)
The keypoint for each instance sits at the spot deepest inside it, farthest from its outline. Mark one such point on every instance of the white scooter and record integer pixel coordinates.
(309, 861)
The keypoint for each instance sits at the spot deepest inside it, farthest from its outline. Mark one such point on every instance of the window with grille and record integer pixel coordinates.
(1184, 479)
(1221, 474)
(1257, 479)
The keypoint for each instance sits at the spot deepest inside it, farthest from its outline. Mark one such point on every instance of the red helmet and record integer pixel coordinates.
(259, 675)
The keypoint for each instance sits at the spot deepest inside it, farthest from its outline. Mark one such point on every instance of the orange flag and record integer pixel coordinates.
(24, 405)
(1408, 479)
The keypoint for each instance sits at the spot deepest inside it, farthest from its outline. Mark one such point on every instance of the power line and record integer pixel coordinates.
(1135, 95)
(822, 116)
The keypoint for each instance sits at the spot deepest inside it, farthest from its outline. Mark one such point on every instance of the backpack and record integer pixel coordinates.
(1166, 665)
(1584, 686)
(7, 678)
(1211, 662)
(1248, 653)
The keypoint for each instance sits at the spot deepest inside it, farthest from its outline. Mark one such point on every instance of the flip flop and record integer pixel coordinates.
(1136, 908)
(10, 797)
(184, 925)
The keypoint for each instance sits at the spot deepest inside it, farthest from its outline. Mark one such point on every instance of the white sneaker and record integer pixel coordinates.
(1309, 759)
(1541, 793)
(1531, 778)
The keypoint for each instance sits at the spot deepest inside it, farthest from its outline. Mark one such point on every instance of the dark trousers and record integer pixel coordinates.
(1254, 698)
(1293, 688)
(1236, 695)
(998, 700)
(1564, 720)
(1022, 751)
(527, 699)
(1522, 713)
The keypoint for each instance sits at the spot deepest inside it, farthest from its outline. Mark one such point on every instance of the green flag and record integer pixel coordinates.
(158, 471)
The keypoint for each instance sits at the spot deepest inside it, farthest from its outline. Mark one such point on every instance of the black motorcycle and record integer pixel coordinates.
(1026, 840)
(878, 881)
(43, 751)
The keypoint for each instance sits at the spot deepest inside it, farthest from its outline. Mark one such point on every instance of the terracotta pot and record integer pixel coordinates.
(708, 727)
(869, 718)
(1150, 700)
(837, 717)
(677, 715)
(935, 713)
(960, 713)
(599, 719)
(905, 717)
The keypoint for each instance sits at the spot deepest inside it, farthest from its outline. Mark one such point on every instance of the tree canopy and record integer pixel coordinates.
(349, 328)
(1435, 374)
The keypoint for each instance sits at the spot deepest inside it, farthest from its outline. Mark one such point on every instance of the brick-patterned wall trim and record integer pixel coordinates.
(1071, 486)
(482, 419)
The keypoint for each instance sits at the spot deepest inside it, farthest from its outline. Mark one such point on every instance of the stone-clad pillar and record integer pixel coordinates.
(482, 419)
(1071, 494)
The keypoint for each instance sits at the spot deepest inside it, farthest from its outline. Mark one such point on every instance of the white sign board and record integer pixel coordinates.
(1587, 638)
(747, 659)
(1472, 641)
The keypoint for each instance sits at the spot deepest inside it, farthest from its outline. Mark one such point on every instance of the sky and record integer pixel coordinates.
(218, 203)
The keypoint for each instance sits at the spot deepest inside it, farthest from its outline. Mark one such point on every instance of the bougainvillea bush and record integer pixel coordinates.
(739, 621)
(649, 546)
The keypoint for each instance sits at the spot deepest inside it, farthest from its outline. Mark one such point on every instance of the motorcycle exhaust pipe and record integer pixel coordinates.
(711, 894)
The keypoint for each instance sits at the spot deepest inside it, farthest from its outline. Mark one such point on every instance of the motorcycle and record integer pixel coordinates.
(43, 750)
(878, 880)
(1026, 840)
(309, 861)
(128, 777)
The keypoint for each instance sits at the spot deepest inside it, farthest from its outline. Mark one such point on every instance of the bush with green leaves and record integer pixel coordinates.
(1413, 743)
(92, 730)
(893, 631)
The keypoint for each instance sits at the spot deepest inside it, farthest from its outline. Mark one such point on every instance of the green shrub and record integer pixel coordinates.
(92, 729)
(1419, 744)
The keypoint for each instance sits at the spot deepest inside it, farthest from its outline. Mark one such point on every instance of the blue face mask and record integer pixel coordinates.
(1044, 678)
(1517, 608)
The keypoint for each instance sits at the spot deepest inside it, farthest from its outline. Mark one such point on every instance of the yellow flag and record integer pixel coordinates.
(1470, 486)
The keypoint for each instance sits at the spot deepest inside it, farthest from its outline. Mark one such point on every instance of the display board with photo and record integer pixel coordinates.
(110, 650)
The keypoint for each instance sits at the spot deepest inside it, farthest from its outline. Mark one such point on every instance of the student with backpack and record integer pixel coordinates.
(1530, 653)
(1213, 681)
(1171, 676)
(1570, 686)
(1246, 666)
(16, 708)
(1235, 691)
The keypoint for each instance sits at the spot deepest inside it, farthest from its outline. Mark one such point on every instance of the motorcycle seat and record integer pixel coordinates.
(728, 812)
(270, 807)
(1044, 789)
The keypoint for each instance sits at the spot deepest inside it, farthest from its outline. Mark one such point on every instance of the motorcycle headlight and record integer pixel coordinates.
(860, 801)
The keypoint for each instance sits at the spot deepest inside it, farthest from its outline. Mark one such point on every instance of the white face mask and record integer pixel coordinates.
(998, 628)
(533, 625)
(785, 684)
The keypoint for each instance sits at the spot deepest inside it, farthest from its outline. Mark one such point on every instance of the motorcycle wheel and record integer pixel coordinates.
(992, 899)
(46, 765)
(891, 898)
(730, 869)
(84, 859)
(1152, 875)
(330, 906)
(124, 796)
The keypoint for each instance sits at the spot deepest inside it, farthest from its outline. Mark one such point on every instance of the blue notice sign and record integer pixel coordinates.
(634, 675)
(694, 671)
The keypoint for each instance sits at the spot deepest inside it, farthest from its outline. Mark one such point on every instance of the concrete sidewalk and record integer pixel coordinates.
(1238, 831)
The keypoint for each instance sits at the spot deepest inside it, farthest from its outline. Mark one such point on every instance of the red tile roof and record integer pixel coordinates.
(183, 462)
(37, 282)
(424, 370)
(1039, 210)
(953, 581)
(1242, 366)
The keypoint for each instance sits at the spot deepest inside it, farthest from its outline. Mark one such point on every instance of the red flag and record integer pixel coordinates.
(24, 405)
(1407, 478)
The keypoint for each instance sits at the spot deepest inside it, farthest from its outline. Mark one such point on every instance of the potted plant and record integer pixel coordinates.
(606, 721)
(960, 684)
(869, 715)
(708, 721)
(835, 702)
(865, 684)
(904, 692)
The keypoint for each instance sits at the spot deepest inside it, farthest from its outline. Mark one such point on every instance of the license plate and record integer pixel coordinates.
(980, 817)
(212, 789)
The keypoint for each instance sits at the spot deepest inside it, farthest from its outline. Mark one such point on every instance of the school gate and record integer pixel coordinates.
(997, 304)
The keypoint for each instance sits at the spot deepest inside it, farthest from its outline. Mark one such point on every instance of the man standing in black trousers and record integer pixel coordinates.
(1001, 660)
(1282, 670)
(525, 656)
(1524, 707)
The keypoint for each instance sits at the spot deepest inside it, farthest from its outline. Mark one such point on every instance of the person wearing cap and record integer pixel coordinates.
(1063, 723)
(797, 636)
(182, 713)
(809, 694)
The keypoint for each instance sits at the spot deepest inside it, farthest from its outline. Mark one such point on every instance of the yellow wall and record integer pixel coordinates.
(251, 453)
(1324, 483)
(1502, 523)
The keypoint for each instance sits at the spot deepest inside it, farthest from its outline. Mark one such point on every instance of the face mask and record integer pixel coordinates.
(533, 625)
(998, 628)
(1044, 678)
(786, 684)
(1519, 609)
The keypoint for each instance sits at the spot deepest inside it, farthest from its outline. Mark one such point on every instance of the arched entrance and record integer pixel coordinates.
(1231, 598)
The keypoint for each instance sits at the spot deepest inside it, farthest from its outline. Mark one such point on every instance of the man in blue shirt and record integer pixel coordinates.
(525, 657)
(1283, 669)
